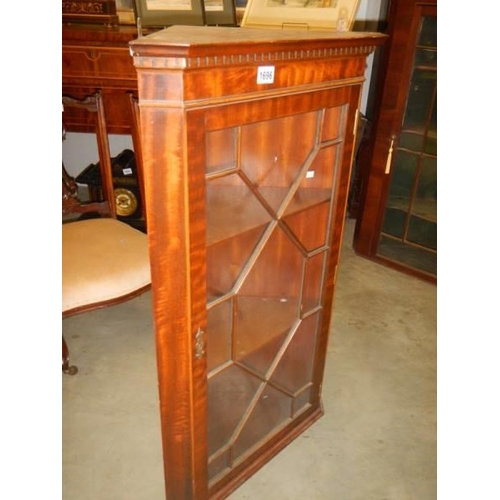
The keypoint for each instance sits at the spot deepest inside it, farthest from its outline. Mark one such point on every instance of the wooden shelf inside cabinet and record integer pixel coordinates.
(246, 184)
(234, 210)
(425, 209)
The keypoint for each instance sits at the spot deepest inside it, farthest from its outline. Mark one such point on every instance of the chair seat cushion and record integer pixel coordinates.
(102, 260)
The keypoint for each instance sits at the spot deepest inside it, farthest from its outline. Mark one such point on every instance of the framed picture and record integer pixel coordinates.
(220, 12)
(125, 11)
(163, 13)
(301, 14)
(240, 10)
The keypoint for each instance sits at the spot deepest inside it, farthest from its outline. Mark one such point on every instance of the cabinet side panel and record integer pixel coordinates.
(177, 256)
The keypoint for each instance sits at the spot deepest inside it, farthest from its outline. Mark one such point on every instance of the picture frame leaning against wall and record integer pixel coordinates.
(316, 15)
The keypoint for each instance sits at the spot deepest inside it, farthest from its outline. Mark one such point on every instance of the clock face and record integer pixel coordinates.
(126, 202)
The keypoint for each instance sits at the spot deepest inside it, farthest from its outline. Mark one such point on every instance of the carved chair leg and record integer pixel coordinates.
(66, 368)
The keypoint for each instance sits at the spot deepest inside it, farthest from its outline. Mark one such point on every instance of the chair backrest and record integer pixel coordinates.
(71, 202)
(136, 139)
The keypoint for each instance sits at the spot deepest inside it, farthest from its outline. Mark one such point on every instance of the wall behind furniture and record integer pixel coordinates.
(80, 150)
(370, 17)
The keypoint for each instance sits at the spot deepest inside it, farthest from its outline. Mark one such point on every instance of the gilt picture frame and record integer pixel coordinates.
(163, 13)
(326, 15)
(126, 11)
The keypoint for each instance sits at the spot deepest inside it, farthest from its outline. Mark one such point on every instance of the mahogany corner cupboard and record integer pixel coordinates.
(247, 139)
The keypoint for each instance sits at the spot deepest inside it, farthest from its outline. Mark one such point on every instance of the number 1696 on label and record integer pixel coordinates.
(265, 74)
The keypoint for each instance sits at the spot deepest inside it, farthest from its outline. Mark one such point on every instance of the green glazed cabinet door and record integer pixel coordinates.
(398, 221)
(409, 227)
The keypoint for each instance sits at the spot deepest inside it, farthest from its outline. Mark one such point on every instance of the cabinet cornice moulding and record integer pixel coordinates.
(250, 58)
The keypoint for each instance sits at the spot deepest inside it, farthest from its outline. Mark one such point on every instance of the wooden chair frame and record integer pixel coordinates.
(71, 204)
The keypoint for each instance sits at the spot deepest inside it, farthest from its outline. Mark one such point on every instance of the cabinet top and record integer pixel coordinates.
(183, 40)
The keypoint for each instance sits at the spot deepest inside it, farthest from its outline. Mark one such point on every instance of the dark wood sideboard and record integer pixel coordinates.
(96, 57)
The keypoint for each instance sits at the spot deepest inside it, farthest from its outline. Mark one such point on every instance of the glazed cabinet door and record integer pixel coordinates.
(259, 234)
(409, 225)
(272, 191)
(398, 222)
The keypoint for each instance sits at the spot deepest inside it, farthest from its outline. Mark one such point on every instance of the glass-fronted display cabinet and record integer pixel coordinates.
(247, 139)
(397, 224)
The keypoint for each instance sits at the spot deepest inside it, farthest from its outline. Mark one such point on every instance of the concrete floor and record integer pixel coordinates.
(376, 441)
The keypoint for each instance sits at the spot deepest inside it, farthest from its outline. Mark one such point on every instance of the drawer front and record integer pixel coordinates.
(103, 63)
(110, 69)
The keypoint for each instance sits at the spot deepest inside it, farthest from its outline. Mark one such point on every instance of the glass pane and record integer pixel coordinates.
(412, 140)
(232, 254)
(273, 153)
(403, 178)
(221, 150)
(394, 222)
(431, 137)
(302, 402)
(332, 123)
(310, 205)
(426, 57)
(300, 225)
(400, 192)
(268, 303)
(232, 208)
(316, 184)
(229, 396)
(219, 325)
(420, 99)
(428, 32)
(423, 232)
(412, 256)
(273, 409)
(313, 281)
(425, 204)
(422, 228)
(294, 371)
(218, 464)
